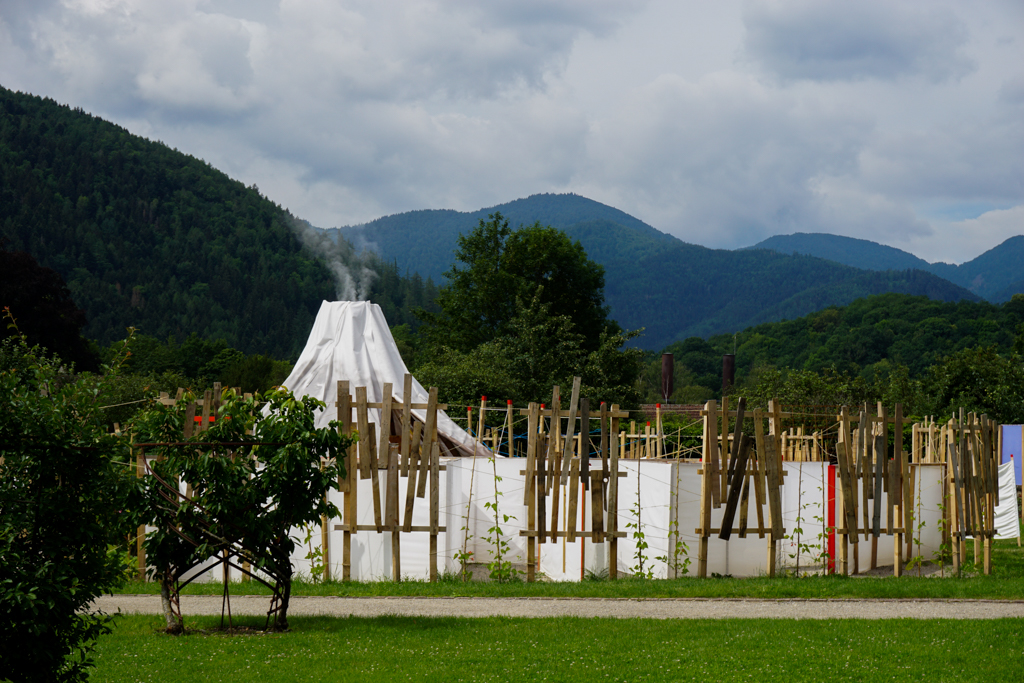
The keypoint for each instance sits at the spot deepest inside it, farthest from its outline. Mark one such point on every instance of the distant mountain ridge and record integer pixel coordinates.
(653, 280)
(996, 275)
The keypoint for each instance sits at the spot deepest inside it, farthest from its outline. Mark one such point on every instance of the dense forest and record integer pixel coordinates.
(927, 354)
(150, 238)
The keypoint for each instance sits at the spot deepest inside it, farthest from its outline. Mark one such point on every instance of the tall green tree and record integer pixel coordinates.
(523, 310)
(496, 267)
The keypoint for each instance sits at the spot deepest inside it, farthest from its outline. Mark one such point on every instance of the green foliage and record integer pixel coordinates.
(979, 379)
(150, 238)
(41, 303)
(244, 497)
(500, 268)
(500, 567)
(525, 313)
(64, 495)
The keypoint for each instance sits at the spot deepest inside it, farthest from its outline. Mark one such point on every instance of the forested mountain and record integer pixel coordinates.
(846, 250)
(869, 338)
(653, 280)
(996, 275)
(146, 236)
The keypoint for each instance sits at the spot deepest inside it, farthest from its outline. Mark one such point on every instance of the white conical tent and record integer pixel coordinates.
(351, 341)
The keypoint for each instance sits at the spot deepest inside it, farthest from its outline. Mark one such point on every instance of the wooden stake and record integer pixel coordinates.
(613, 499)
(344, 405)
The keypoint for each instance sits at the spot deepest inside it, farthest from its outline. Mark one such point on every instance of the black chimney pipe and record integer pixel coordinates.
(728, 372)
(667, 376)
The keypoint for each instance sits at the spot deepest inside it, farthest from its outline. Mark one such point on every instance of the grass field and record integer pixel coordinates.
(566, 649)
(1005, 583)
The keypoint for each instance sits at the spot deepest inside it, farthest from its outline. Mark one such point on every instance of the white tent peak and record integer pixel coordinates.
(350, 340)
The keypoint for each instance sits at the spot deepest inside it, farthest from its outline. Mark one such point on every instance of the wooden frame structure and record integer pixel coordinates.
(550, 463)
(406, 448)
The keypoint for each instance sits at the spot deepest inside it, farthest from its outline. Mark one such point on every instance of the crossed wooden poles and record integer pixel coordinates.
(550, 464)
(403, 448)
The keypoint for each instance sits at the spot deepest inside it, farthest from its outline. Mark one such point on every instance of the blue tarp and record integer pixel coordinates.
(1012, 446)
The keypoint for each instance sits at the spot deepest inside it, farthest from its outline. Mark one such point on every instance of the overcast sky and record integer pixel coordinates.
(719, 122)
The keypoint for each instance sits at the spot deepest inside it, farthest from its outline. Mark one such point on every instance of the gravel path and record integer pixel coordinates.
(623, 608)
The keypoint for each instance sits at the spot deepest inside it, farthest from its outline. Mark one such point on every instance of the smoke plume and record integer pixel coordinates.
(352, 270)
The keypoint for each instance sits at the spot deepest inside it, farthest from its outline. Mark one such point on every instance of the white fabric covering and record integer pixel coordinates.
(350, 340)
(1007, 514)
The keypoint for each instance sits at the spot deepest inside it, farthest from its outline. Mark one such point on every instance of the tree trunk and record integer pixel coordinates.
(282, 614)
(173, 623)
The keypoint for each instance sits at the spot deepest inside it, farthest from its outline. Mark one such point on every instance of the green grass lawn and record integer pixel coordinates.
(1005, 583)
(567, 649)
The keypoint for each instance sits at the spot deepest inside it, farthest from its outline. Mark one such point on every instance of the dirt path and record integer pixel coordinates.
(626, 608)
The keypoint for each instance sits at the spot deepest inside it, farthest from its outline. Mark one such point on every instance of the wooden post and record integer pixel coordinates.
(434, 449)
(392, 513)
(613, 497)
(574, 494)
(344, 406)
(774, 481)
(707, 480)
(899, 491)
(140, 537)
(553, 461)
(723, 468)
(530, 492)
(760, 463)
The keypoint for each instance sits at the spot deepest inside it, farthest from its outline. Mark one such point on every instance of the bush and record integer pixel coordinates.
(64, 490)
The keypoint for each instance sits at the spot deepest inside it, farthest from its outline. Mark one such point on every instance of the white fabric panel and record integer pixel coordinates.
(465, 513)
(1007, 514)
(350, 340)
(928, 492)
(371, 551)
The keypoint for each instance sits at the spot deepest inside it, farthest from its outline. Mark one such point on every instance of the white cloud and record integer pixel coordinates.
(969, 238)
(722, 123)
(841, 40)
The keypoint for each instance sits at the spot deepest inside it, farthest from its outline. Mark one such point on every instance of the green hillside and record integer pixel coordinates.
(672, 289)
(868, 339)
(996, 275)
(846, 250)
(146, 236)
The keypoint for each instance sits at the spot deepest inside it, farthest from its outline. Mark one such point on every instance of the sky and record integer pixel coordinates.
(721, 123)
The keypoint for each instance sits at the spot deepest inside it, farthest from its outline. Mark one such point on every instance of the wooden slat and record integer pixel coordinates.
(604, 441)
(613, 497)
(711, 453)
(876, 516)
(435, 483)
(422, 458)
(374, 481)
(597, 507)
(722, 458)
(531, 455)
(384, 424)
(530, 490)
(759, 464)
(344, 405)
(363, 426)
(570, 431)
(555, 432)
(735, 486)
(406, 423)
(573, 502)
(542, 487)
(585, 443)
